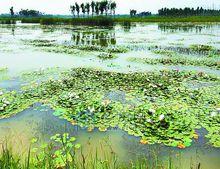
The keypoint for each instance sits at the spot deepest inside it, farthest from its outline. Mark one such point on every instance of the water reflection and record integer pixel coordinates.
(13, 30)
(127, 26)
(100, 38)
(183, 27)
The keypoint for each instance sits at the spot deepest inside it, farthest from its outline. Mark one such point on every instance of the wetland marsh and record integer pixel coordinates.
(138, 90)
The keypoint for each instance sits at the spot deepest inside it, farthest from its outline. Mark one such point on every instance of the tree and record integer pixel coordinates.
(93, 7)
(83, 9)
(133, 12)
(97, 8)
(29, 13)
(77, 8)
(113, 7)
(12, 11)
(102, 7)
(87, 7)
(73, 10)
(105, 6)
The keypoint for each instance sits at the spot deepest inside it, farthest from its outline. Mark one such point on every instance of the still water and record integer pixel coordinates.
(39, 121)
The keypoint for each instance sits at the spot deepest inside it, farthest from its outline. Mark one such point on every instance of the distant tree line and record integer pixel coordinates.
(25, 13)
(134, 13)
(103, 7)
(29, 13)
(187, 11)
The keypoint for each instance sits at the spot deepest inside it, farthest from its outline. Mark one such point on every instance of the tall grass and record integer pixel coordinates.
(107, 21)
(100, 21)
(7, 20)
(66, 155)
(169, 19)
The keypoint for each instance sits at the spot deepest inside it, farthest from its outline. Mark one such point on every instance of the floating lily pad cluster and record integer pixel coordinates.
(12, 103)
(177, 60)
(195, 55)
(106, 56)
(167, 112)
(52, 46)
(195, 49)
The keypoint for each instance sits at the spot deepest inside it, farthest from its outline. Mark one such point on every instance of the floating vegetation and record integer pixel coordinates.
(3, 70)
(41, 74)
(41, 43)
(106, 56)
(201, 48)
(51, 46)
(192, 50)
(12, 103)
(168, 111)
(178, 61)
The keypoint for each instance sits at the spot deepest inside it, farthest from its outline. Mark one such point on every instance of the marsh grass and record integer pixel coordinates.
(7, 21)
(100, 21)
(63, 153)
(107, 21)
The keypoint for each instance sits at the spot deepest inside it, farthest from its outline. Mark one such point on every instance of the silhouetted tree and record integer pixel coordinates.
(93, 7)
(102, 7)
(77, 8)
(105, 6)
(12, 11)
(97, 8)
(187, 11)
(113, 7)
(29, 13)
(83, 9)
(87, 7)
(133, 12)
(73, 10)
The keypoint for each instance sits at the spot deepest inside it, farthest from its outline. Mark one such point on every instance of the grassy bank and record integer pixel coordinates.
(170, 19)
(108, 21)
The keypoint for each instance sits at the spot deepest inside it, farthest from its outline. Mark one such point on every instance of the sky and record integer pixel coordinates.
(123, 6)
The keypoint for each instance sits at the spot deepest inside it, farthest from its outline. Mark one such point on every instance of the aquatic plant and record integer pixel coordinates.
(168, 111)
(95, 21)
(201, 48)
(79, 98)
(3, 69)
(51, 46)
(62, 151)
(195, 49)
(105, 56)
(176, 60)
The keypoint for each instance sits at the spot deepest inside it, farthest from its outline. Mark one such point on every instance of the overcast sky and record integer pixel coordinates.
(62, 6)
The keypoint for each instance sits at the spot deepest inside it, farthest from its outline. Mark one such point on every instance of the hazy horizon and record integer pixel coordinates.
(123, 6)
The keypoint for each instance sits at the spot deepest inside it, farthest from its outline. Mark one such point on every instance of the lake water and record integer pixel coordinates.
(39, 121)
